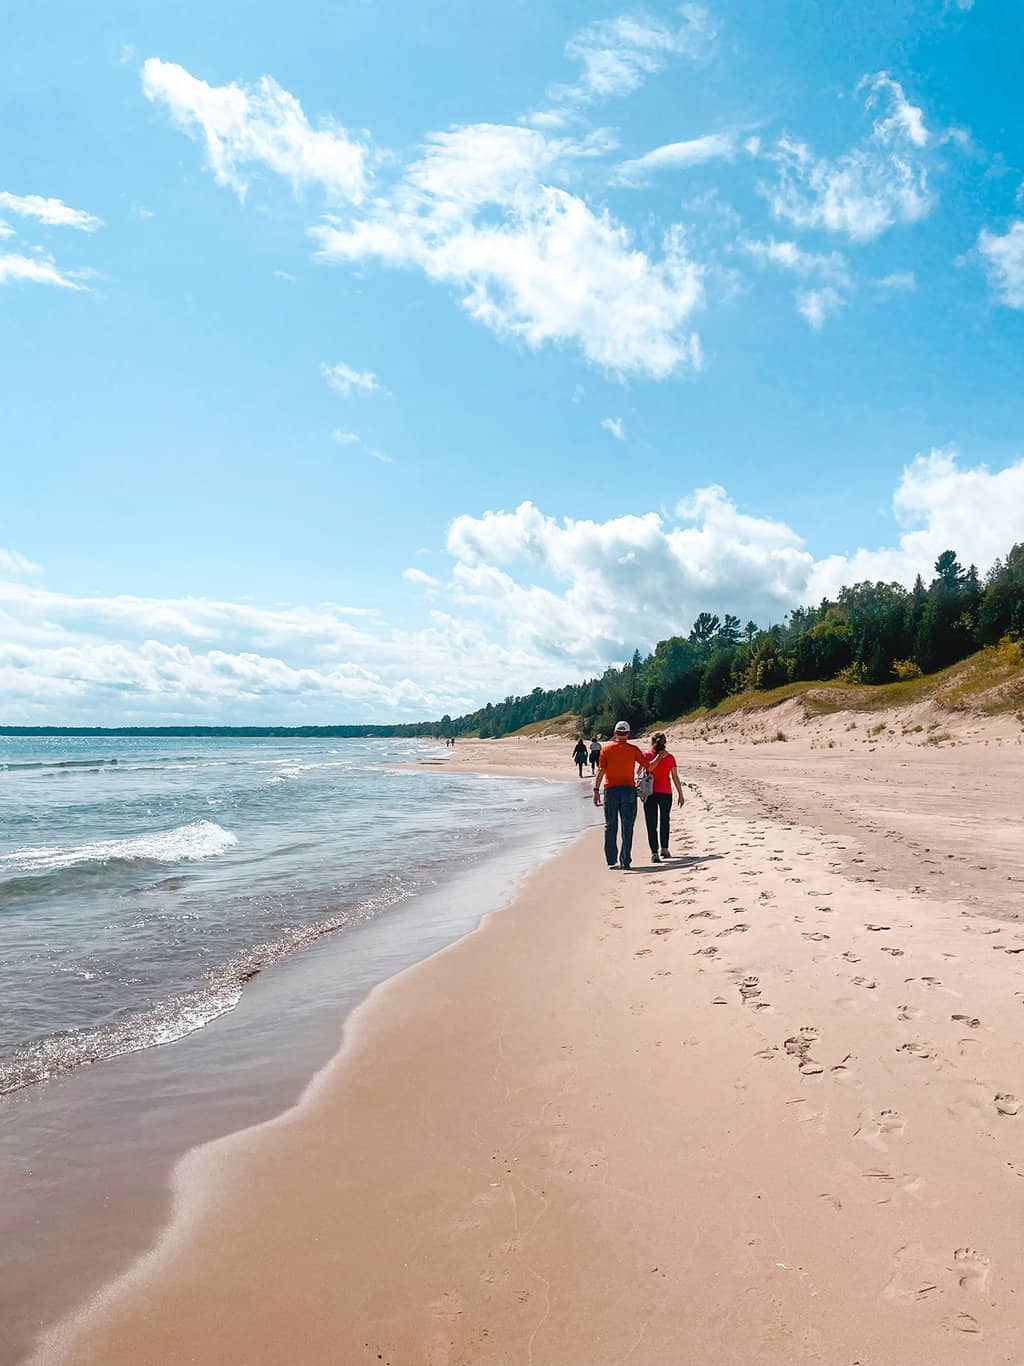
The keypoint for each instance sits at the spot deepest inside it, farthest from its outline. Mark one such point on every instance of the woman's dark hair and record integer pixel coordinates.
(659, 741)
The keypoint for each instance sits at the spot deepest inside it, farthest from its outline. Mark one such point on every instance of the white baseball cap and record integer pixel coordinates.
(621, 727)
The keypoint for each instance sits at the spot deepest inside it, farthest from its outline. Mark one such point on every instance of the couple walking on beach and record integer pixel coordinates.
(618, 766)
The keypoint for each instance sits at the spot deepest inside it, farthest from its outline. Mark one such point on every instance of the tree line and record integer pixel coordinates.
(867, 633)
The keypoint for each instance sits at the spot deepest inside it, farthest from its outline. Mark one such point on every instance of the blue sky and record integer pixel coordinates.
(371, 361)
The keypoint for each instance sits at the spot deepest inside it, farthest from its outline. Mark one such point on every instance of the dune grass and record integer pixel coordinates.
(990, 681)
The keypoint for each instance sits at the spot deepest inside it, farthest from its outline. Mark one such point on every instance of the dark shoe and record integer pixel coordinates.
(665, 854)
(625, 867)
(654, 857)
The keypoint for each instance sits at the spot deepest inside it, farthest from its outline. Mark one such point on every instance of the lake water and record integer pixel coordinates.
(143, 882)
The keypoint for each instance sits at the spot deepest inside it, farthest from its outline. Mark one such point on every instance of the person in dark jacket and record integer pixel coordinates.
(579, 754)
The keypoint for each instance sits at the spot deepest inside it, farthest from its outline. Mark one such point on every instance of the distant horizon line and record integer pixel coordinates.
(349, 729)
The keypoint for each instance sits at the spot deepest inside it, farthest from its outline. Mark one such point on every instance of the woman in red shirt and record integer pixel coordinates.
(658, 806)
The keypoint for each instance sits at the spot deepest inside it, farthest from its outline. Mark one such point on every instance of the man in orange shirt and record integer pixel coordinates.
(617, 768)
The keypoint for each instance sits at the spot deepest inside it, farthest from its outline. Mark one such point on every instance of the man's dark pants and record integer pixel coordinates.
(619, 806)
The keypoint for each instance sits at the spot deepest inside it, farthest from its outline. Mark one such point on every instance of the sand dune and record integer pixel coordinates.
(761, 1104)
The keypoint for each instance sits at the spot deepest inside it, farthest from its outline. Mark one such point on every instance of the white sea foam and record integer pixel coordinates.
(199, 839)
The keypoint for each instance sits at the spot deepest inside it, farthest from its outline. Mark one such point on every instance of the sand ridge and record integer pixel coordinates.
(760, 1104)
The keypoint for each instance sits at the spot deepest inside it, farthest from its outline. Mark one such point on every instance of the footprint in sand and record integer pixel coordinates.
(908, 1013)
(962, 1323)
(971, 1021)
(816, 935)
(868, 983)
(642, 953)
(850, 956)
(1006, 1103)
(878, 927)
(896, 953)
(750, 988)
(876, 1129)
(916, 1050)
(662, 929)
(739, 928)
(914, 1276)
(971, 1269)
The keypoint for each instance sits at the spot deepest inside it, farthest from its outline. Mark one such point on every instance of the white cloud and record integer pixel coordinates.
(613, 425)
(878, 183)
(635, 579)
(11, 562)
(1004, 263)
(943, 507)
(5, 229)
(618, 55)
(344, 380)
(36, 270)
(342, 438)
(530, 259)
(533, 601)
(67, 659)
(259, 125)
(676, 156)
(816, 305)
(897, 282)
(789, 256)
(53, 212)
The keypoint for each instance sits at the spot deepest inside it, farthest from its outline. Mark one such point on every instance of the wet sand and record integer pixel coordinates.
(763, 1103)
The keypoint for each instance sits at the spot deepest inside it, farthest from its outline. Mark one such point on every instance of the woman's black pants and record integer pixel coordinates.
(657, 809)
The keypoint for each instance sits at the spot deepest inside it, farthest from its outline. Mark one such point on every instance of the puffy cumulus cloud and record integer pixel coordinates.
(53, 213)
(878, 183)
(942, 506)
(626, 581)
(592, 591)
(259, 125)
(38, 270)
(617, 55)
(530, 258)
(676, 156)
(1003, 256)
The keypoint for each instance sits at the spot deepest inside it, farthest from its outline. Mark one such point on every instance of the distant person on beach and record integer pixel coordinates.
(617, 769)
(658, 806)
(595, 754)
(579, 755)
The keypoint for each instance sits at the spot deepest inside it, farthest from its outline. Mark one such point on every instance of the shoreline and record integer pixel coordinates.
(744, 1103)
(245, 1068)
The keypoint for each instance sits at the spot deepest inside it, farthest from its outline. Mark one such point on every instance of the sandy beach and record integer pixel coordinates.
(763, 1103)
